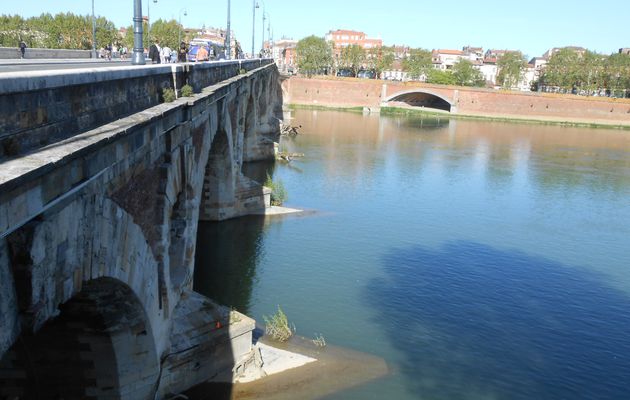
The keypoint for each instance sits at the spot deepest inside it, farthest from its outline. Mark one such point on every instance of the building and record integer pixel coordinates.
(283, 53)
(552, 51)
(444, 59)
(344, 38)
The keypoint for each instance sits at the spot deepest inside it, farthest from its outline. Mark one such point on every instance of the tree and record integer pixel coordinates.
(439, 77)
(313, 55)
(380, 59)
(352, 57)
(62, 31)
(511, 68)
(418, 63)
(166, 32)
(465, 74)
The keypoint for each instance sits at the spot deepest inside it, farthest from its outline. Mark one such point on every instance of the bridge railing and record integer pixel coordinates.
(39, 108)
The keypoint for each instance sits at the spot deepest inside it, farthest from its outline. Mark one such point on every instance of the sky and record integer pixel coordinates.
(531, 26)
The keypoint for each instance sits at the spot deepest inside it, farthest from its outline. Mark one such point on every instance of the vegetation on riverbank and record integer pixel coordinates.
(438, 114)
(278, 192)
(393, 111)
(277, 326)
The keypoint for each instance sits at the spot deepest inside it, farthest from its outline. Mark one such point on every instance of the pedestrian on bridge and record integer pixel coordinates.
(22, 47)
(182, 52)
(154, 52)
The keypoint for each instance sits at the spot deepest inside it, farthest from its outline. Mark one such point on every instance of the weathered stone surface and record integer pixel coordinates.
(8, 302)
(121, 202)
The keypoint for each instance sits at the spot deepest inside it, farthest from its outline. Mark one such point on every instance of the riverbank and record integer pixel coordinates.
(321, 371)
(424, 112)
(400, 98)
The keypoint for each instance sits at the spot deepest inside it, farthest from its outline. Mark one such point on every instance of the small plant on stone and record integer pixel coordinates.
(278, 192)
(169, 95)
(187, 91)
(277, 326)
(242, 71)
(319, 340)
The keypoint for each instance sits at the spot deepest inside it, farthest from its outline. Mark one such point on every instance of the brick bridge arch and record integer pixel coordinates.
(423, 98)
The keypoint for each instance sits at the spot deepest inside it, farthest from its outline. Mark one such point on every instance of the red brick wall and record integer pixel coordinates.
(350, 92)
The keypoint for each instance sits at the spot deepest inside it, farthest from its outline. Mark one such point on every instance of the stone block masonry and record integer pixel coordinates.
(101, 220)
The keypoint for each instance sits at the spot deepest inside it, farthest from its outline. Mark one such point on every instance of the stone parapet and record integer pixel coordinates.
(38, 108)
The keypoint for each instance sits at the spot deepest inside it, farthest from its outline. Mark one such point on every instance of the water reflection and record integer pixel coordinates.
(511, 325)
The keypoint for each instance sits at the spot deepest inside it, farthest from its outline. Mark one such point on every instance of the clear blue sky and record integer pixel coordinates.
(530, 26)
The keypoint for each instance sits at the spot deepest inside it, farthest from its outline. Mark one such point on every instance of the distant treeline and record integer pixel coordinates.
(588, 73)
(71, 31)
(61, 31)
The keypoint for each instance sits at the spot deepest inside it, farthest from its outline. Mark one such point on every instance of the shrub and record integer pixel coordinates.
(169, 95)
(187, 91)
(278, 192)
(277, 326)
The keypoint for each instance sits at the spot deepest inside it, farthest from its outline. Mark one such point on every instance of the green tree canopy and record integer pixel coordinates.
(166, 32)
(61, 31)
(465, 74)
(418, 63)
(313, 55)
(352, 57)
(380, 59)
(511, 68)
(440, 77)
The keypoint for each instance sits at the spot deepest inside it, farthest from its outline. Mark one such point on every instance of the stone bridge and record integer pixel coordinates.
(101, 188)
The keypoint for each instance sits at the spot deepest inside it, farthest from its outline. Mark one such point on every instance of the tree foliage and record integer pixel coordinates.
(511, 67)
(465, 74)
(440, 77)
(313, 55)
(587, 72)
(352, 57)
(166, 32)
(418, 63)
(61, 31)
(380, 59)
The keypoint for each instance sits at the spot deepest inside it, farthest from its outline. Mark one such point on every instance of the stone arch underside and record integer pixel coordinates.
(422, 99)
(99, 347)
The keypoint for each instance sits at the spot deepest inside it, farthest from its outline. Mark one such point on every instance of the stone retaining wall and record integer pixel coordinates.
(350, 92)
(35, 53)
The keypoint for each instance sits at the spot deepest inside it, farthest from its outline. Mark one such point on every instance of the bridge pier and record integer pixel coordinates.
(113, 211)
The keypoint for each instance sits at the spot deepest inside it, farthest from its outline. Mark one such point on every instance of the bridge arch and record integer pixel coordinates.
(422, 98)
(99, 347)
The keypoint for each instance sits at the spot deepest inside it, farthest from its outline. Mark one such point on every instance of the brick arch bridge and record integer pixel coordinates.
(439, 99)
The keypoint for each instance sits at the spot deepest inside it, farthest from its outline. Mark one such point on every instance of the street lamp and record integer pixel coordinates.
(149, 19)
(254, 7)
(138, 48)
(93, 32)
(262, 47)
(228, 38)
(179, 28)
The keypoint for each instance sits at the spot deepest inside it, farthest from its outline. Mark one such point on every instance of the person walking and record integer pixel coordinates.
(22, 46)
(154, 52)
(182, 52)
(202, 54)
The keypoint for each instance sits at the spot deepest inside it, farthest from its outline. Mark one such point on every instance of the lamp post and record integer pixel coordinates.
(93, 32)
(228, 36)
(149, 18)
(138, 48)
(179, 28)
(254, 7)
(264, 18)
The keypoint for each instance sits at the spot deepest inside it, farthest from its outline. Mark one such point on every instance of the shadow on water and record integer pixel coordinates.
(474, 321)
(226, 259)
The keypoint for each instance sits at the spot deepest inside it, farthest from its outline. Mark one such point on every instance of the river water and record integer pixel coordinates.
(482, 260)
